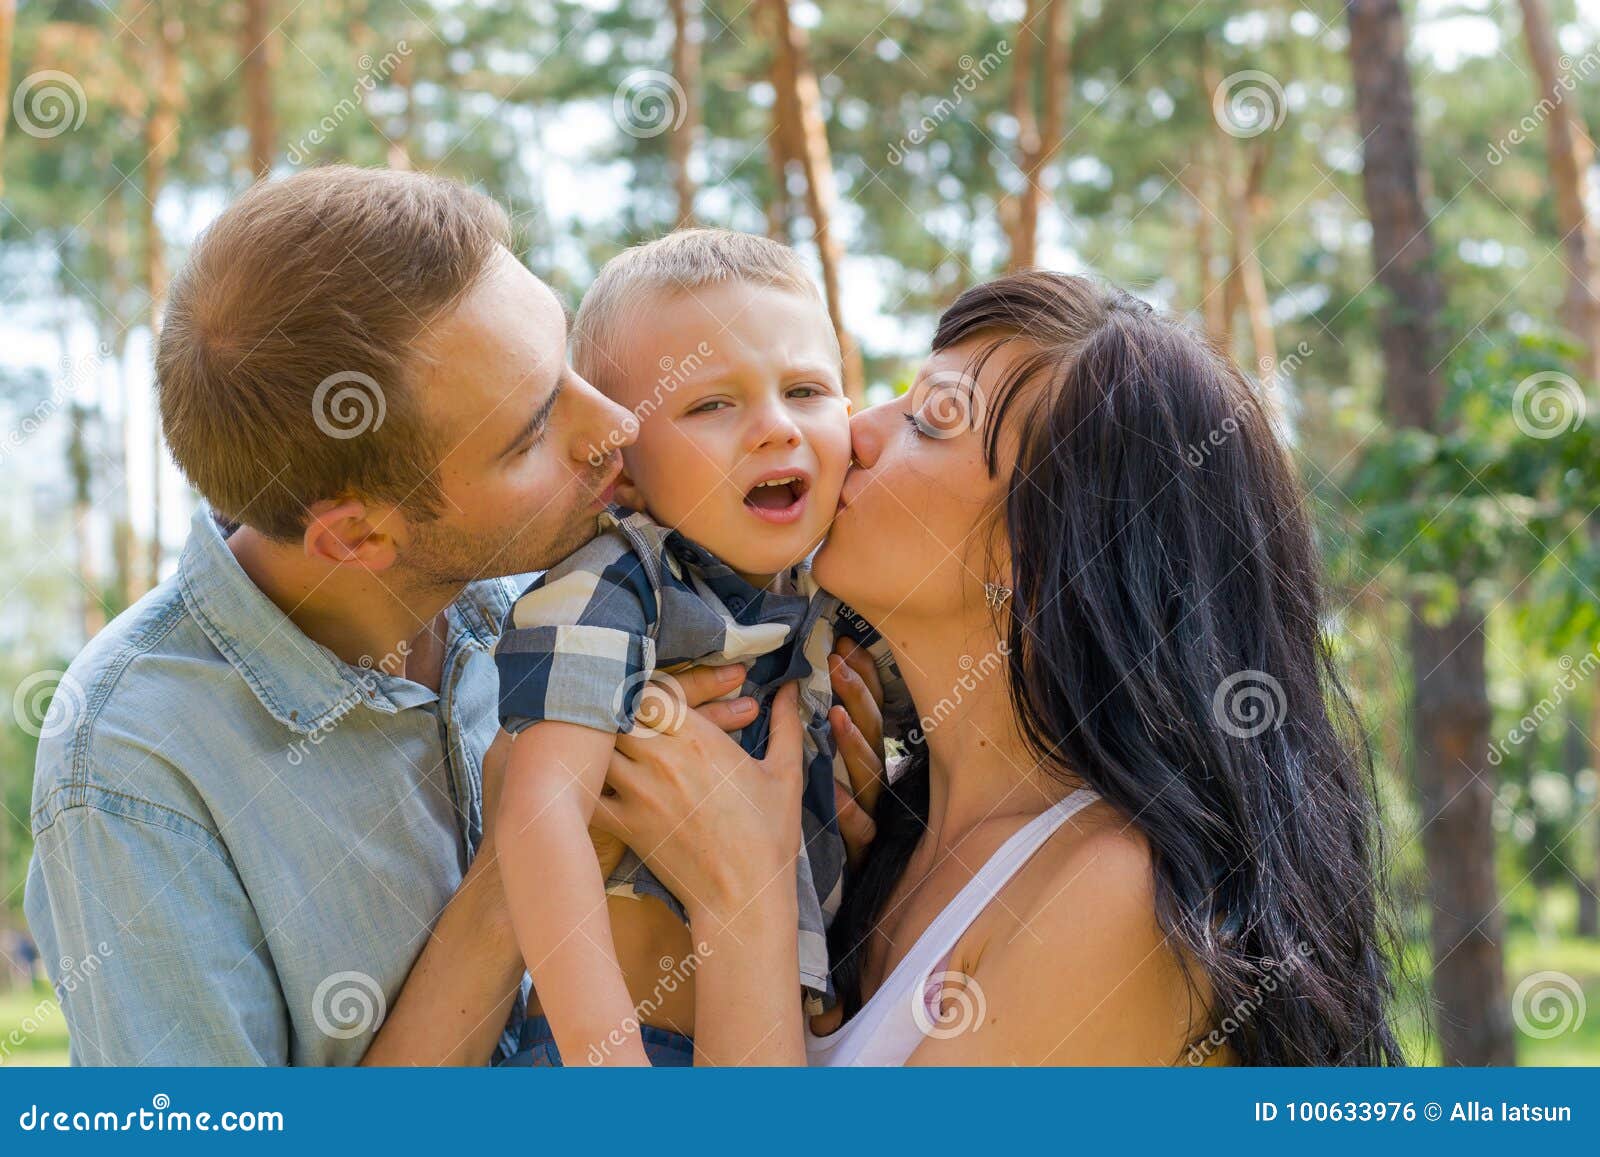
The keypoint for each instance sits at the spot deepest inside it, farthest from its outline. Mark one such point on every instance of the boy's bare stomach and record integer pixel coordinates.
(654, 950)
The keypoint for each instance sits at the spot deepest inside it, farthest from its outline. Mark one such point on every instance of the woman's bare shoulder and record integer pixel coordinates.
(1094, 874)
(1075, 968)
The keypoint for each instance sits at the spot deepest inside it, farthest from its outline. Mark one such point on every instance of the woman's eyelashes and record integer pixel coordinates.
(915, 422)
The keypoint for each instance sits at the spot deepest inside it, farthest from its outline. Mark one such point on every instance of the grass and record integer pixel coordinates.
(32, 1029)
(45, 1042)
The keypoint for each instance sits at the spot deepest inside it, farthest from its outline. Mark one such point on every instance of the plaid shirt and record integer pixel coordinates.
(583, 642)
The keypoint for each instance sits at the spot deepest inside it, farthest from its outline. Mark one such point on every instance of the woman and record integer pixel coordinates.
(1135, 824)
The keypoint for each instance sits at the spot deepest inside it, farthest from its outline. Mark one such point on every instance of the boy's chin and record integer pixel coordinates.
(769, 550)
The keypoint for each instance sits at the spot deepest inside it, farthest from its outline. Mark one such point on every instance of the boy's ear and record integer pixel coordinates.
(627, 494)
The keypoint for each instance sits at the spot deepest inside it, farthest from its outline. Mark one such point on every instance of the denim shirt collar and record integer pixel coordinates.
(301, 683)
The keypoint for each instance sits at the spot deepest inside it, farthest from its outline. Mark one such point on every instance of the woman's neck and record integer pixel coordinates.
(980, 766)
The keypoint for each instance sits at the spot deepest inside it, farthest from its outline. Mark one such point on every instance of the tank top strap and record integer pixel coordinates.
(976, 895)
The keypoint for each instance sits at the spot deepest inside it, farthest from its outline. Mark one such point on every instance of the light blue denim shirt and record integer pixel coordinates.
(242, 842)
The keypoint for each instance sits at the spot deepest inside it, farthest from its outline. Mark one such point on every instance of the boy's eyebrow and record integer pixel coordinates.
(534, 423)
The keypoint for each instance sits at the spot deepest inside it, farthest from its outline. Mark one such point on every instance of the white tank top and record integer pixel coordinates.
(890, 1026)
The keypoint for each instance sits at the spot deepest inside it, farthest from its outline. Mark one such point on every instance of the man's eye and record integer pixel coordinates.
(537, 440)
(807, 391)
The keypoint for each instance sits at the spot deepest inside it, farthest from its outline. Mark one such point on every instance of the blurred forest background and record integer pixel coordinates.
(1389, 212)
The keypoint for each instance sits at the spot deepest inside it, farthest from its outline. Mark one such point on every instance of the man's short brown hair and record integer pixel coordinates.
(286, 361)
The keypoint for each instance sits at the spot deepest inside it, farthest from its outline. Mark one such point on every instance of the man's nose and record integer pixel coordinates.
(599, 426)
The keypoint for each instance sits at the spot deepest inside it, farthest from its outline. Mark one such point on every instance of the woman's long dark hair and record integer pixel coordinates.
(1166, 647)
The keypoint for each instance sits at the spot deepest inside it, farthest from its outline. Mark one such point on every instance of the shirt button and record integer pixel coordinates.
(736, 604)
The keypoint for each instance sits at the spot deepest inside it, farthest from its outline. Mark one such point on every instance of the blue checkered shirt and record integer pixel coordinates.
(583, 642)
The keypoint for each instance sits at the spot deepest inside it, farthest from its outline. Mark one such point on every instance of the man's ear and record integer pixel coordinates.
(627, 494)
(348, 532)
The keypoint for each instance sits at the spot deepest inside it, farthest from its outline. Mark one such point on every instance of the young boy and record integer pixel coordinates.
(719, 344)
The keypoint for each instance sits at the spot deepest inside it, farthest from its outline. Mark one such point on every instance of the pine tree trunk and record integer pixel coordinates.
(1246, 284)
(1200, 182)
(1252, 277)
(1038, 136)
(1450, 711)
(161, 144)
(804, 111)
(405, 82)
(1570, 153)
(1574, 761)
(783, 149)
(686, 69)
(255, 35)
(119, 275)
(8, 25)
(1589, 890)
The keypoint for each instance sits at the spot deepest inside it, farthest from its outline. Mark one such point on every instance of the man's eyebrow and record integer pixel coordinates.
(534, 423)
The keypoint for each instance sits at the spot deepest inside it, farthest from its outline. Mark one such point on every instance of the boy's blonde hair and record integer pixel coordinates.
(681, 262)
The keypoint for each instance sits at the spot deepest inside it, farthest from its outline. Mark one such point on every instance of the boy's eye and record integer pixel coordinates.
(708, 407)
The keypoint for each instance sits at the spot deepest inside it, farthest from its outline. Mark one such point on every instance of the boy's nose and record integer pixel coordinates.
(776, 428)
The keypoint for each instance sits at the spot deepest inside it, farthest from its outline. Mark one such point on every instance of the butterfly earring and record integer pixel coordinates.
(996, 595)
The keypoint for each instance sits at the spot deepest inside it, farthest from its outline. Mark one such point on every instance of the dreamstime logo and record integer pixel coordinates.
(1572, 674)
(347, 1004)
(648, 103)
(1247, 703)
(348, 404)
(674, 974)
(658, 705)
(373, 73)
(947, 404)
(674, 372)
(959, 1006)
(1271, 375)
(1547, 405)
(47, 703)
(1274, 975)
(1249, 103)
(76, 373)
(972, 72)
(973, 673)
(49, 103)
(1566, 82)
(1548, 1004)
(69, 976)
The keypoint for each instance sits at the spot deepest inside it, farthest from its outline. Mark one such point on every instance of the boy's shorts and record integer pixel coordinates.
(536, 1048)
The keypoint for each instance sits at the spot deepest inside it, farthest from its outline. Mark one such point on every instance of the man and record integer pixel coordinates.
(261, 820)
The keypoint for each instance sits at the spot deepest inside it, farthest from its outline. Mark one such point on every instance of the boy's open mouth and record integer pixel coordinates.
(778, 499)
